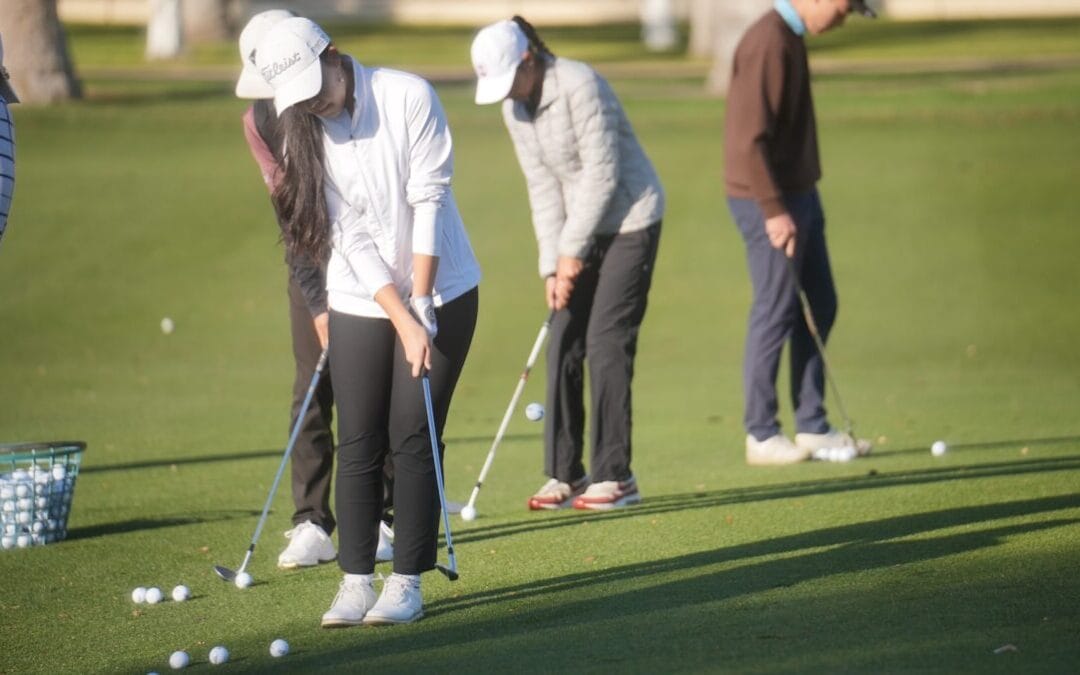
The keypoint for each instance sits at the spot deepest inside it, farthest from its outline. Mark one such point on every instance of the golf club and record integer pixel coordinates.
(451, 571)
(471, 505)
(849, 428)
(226, 573)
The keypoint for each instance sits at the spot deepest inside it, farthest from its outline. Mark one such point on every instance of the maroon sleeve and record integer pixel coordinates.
(259, 150)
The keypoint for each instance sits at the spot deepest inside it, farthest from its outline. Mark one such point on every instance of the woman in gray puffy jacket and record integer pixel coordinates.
(596, 209)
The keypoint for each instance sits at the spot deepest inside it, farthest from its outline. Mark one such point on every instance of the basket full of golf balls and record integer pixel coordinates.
(37, 481)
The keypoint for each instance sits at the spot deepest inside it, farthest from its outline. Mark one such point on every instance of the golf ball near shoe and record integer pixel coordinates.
(243, 580)
(468, 512)
(279, 648)
(938, 448)
(219, 655)
(534, 412)
(179, 659)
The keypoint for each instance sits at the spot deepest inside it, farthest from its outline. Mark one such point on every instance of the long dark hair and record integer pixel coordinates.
(536, 45)
(299, 198)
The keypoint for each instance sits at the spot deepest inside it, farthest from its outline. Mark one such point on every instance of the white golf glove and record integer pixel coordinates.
(424, 308)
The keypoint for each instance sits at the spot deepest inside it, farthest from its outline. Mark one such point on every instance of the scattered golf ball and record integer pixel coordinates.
(138, 596)
(181, 593)
(243, 580)
(468, 512)
(179, 659)
(167, 326)
(153, 595)
(938, 448)
(279, 648)
(534, 412)
(219, 655)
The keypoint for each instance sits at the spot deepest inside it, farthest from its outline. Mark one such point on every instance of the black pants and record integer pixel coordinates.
(381, 410)
(313, 454)
(600, 325)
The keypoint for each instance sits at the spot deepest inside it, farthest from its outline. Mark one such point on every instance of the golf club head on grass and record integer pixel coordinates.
(225, 573)
(451, 574)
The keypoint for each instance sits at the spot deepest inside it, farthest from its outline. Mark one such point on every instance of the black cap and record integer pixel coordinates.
(861, 7)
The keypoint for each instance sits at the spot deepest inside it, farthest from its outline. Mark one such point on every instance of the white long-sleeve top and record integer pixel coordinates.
(388, 193)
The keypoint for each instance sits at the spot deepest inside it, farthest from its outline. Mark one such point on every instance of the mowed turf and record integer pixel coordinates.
(950, 202)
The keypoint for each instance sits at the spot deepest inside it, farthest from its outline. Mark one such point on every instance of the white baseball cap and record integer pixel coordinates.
(288, 59)
(5, 87)
(497, 50)
(251, 83)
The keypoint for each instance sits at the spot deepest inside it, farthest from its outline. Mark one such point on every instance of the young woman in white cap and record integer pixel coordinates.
(402, 290)
(7, 145)
(596, 209)
(313, 453)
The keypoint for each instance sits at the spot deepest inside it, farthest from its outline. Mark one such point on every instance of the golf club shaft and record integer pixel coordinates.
(533, 355)
(804, 301)
(288, 452)
(451, 571)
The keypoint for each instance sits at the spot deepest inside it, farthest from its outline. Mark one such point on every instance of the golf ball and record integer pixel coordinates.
(167, 326)
(468, 512)
(179, 659)
(153, 595)
(181, 593)
(138, 596)
(534, 412)
(938, 448)
(279, 648)
(219, 655)
(243, 580)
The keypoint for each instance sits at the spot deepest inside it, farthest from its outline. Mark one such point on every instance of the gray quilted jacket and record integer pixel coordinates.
(585, 171)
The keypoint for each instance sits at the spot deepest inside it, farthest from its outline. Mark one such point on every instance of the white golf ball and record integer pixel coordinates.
(23, 540)
(468, 512)
(167, 326)
(938, 448)
(153, 595)
(219, 655)
(7, 541)
(279, 648)
(179, 659)
(243, 580)
(534, 412)
(181, 593)
(138, 596)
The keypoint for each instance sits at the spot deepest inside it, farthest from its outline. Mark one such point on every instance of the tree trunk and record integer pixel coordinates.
(206, 20)
(729, 20)
(35, 52)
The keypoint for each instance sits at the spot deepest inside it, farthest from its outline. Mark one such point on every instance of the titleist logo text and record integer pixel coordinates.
(278, 67)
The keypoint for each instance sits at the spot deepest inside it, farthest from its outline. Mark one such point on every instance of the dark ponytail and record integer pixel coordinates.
(299, 197)
(536, 45)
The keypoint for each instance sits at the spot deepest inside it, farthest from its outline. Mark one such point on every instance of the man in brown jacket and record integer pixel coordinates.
(771, 173)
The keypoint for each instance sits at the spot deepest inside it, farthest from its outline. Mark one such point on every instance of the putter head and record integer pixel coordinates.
(225, 573)
(452, 575)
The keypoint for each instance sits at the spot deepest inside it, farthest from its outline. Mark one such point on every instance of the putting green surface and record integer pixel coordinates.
(950, 198)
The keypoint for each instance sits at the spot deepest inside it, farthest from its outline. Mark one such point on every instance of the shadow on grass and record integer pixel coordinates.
(137, 524)
(636, 615)
(983, 445)
(704, 500)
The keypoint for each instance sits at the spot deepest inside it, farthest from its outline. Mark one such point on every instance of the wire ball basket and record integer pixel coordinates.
(37, 482)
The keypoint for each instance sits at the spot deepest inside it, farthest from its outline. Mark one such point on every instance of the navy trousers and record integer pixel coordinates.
(776, 317)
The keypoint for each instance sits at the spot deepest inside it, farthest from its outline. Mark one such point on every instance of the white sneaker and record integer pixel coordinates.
(385, 551)
(833, 439)
(773, 451)
(355, 597)
(309, 545)
(400, 602)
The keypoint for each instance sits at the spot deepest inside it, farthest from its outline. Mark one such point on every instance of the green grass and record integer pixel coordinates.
(953, 239)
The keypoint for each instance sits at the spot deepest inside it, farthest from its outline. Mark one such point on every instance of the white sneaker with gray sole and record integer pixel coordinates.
(833, 439)
(308, 545)
(773, 451)
(385, 550)
(399, 602)
(354, 599)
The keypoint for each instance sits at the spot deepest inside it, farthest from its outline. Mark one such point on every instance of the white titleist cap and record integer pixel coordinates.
(496, 52)
(5, 87)
(251, 83)
(288, 59)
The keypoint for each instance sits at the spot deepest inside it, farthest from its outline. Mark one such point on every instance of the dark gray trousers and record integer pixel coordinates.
(313, 455)
(381, 410)
(776, 317)
(600, 325)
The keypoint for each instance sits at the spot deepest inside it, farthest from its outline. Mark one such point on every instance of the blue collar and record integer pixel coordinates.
(790, 16)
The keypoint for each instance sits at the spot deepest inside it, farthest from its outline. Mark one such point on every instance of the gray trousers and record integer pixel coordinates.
(776, 317)
(600, 325)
